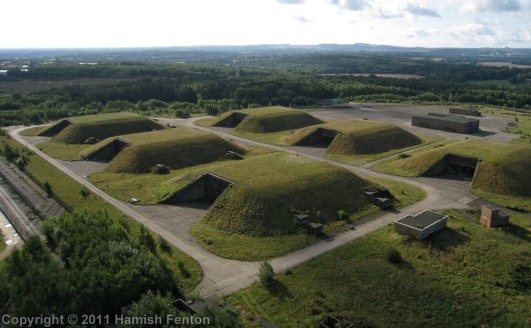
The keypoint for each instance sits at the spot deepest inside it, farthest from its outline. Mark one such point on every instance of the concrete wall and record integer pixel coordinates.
(452, 163)
(462, 111)
(232, 120)
(439, 124)
(109, 151)
(441, 224)
(420, 234)
(320, 137)
(55, 129)
(208, 187)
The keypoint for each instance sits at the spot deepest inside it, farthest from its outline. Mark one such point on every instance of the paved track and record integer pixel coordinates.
(223, 276)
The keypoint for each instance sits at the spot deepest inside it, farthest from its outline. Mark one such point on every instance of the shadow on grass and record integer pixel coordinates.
(281, 291)
(447, 239)
(517, 231)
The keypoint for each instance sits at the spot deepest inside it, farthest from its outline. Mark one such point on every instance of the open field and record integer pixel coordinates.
(9, 87)
(393, 76)
(62, 151)
(465, 275)
(263, 120)
(503, 64)
(175, 148)
(70, 191)
(100, 126)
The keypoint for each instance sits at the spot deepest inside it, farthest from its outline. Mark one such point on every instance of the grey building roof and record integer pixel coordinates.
(421, 220)
(446, 117)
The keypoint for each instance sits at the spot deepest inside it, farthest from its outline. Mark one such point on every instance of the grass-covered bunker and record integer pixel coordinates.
(175, 148)
(77, 130)
(354, 137)
(269, 188)
(265, 120)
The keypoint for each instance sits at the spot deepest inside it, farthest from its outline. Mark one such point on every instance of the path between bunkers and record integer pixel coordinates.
(224, 276)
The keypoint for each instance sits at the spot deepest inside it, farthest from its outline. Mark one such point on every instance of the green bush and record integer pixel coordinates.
(266, 273)
(393, 256)
(160, 169)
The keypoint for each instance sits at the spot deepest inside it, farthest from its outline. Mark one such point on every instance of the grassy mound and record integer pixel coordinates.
(101, 126)
(503, 169)
(359, 137)
(266, 120)
(267, 188)
(175, 148)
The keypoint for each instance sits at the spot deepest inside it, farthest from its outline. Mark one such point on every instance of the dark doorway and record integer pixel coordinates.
(205, 189)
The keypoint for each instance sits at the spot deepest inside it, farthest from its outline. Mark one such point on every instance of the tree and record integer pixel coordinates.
(48, 188)
(393, 256)
(266, 273)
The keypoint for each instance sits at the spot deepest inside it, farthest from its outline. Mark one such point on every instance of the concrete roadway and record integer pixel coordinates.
(223, 276)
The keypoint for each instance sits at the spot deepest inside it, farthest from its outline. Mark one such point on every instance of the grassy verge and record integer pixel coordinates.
(512, 202)
(70, 191)
(404, 193)
(245, 248)
(392, 165)
(61, 150)
(462, 276)
(3, 245)
(363, 159)
(31, 132)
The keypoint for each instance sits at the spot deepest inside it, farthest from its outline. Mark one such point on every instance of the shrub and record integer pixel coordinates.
(393, 256)
(160, 169)
(84, 192)
(266, 273)
(48, 188)
(342, 214)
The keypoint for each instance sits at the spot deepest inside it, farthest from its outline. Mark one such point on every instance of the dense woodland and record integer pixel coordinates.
(91, 264)
(295, 80)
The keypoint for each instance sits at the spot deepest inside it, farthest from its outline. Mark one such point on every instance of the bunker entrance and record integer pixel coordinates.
(108, 152)
(232, 120)
(54, 130)
(205, 189)
(319, 138)
(456, 165)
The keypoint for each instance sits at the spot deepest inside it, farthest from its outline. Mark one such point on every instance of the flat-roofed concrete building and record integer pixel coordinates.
(446, 122)
(421, 225)
(493, 217)
(464, 111)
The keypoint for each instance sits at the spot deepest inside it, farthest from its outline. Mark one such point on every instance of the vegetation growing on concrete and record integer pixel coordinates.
(465, 275)
(269, 188)
(359, 137)
(503, 168)
(102, 126)
(266, 119)
(175, 148)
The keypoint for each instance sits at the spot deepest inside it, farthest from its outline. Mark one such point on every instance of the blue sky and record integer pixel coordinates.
(121, 23)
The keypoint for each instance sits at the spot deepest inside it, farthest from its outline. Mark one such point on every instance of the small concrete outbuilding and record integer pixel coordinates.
(421, 225)
(446, 122)
(492, 217)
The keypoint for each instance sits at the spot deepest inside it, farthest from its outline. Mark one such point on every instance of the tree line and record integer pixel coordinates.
(295, 81)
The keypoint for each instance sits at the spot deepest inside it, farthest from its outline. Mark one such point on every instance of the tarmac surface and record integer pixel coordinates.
(491, 127)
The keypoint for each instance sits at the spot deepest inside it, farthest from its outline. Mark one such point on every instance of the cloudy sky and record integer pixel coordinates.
(125, 23)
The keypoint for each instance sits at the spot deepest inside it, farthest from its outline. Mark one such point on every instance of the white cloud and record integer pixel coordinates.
(353, 5)
(422, 11)
(496, 6)
(291, 2)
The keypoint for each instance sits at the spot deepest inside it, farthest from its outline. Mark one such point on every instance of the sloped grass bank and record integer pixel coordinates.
(263, 120)
(175, 148)
(466, 275)
(503, 169)
(101, 126)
